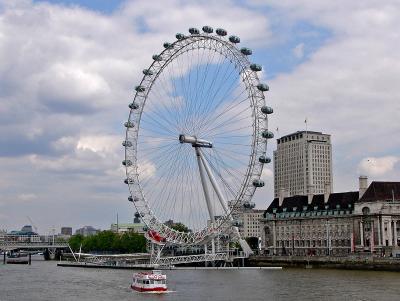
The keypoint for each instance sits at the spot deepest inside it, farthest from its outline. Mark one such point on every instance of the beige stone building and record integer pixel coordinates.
(367, 221)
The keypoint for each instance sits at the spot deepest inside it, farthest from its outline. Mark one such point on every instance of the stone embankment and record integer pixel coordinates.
(348, 262)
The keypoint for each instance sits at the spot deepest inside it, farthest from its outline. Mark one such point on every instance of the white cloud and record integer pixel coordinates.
(100, 144)
(27, 197)
(298, 51)
(378, 166)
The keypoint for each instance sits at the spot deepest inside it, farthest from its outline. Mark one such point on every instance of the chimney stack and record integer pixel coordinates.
(363, 185)
(327, 192)
(310, 194)
(283, 193)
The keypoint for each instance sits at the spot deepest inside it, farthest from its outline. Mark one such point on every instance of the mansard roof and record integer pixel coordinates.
(345, 200)
(381, 191)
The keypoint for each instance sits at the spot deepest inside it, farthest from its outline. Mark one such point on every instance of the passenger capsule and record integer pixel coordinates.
(129, 124)
(133, 106)
(249, 205)
(234, 39)
(135, 199)
(140, 88)
(127, 163)
(267, 110)
(129, 181)
(221, 32)
(207, 29)
(147, 72)
(258, 183)
(193, 30)
(267, 134)
(255, 67)
(137, 214)
(237, 223)
(145, 229)
(168, 45)
(246, 51)
(127, 143)
(180, 36)
(157, 57)
(263, 87)
(264, 159)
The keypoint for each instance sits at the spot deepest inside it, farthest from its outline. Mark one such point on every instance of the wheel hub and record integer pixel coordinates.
(194, 141)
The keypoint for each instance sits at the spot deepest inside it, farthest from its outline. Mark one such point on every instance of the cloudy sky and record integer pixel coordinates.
(68, 68)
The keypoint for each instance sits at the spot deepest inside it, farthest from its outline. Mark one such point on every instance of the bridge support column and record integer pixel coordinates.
(29, 258)
(4, 257)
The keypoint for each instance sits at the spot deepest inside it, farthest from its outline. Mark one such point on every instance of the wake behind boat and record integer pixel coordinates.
(153, 281)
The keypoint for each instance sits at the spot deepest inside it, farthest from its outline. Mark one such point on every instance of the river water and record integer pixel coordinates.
(45, 281)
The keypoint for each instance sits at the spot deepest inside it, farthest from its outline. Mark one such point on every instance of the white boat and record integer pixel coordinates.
(153, 281)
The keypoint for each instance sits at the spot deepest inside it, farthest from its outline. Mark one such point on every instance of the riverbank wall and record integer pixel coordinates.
(348, 262)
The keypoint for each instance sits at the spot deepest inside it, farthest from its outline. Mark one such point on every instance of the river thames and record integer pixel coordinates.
(45, 281)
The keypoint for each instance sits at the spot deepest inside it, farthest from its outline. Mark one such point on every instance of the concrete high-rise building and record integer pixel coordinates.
(66, 231)
(303, 164)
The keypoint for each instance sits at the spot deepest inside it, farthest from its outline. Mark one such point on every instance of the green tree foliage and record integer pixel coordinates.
(108, 241)
(180, 227)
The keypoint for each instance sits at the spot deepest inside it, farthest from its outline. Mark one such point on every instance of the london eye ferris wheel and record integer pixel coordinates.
(196, 137)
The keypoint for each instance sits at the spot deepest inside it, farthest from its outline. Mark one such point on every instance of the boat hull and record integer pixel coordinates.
(148, 289)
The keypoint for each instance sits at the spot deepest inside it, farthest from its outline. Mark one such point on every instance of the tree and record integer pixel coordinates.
(75, 242)
(108, 241)
(180, 227)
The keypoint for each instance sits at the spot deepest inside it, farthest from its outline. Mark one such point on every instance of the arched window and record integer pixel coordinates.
(366, 210)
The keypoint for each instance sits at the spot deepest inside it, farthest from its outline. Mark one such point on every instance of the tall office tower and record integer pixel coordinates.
(303, 164)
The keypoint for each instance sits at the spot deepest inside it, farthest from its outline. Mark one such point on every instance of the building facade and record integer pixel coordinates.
(87, 231)
(66, 231)
(336, 224)
(251, 223)
(128, 227)
(303, 164)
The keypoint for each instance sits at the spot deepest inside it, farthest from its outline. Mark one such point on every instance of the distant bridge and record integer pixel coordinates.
(15, 245)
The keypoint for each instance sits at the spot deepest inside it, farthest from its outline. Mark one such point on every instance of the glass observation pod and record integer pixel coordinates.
(180, 36)
(193, 30)
(167, 45)
(127, 163)
(263, 87)
(267, 134)
(234, 39)
(246, 51)
(129, 181)
(258, 183)
(249, 205)
(133, 106)
(207, 29)
(145, 229)
(267, 110)
(137, 214)
(237, 223)
(147, 72)
(264, 159)
(221, 32)
(157, 57)
(126, 143)
(139, 89)
(129, 124)
(256, 67)
(131, 199)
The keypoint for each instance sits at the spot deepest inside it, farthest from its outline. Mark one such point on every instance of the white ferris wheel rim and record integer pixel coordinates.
(241, 62)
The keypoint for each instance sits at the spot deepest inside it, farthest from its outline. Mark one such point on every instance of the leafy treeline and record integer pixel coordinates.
(108, 241)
